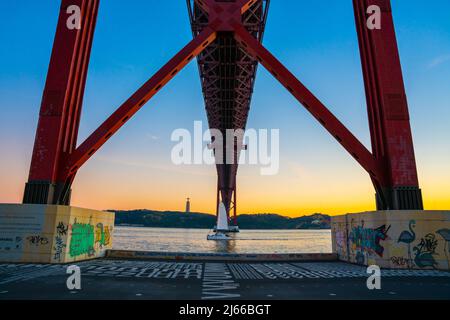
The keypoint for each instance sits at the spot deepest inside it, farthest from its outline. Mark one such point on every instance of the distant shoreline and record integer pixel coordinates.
(180, 220)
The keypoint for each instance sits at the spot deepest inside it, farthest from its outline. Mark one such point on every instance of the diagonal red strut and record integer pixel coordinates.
(332, 124)
(137, 101)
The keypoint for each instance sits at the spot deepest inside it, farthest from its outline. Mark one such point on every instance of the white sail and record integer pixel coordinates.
(222, 218)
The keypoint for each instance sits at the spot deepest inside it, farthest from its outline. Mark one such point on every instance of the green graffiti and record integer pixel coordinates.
(82, 241)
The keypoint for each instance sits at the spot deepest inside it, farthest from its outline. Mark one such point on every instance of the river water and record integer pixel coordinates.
(247, 241)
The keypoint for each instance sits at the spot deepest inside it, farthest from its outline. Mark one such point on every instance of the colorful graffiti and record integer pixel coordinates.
(340, 240)
(82, 241)
(425, 251)
(406, 241)
(102, 235)
(408, 237)
(367, 240)
(54, 234)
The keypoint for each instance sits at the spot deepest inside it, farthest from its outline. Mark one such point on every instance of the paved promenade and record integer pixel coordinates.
(126, 279)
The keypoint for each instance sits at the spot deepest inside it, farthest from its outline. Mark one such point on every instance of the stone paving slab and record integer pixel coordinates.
(122, 279)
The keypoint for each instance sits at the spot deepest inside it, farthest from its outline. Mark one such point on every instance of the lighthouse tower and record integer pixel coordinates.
(188, 205)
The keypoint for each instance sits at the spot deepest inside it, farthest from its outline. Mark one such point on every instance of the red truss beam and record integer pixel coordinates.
(227, 74)
(392, 166)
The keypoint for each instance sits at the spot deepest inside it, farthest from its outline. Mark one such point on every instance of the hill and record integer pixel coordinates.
(174, 219)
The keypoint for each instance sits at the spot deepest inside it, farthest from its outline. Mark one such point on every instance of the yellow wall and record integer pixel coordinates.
(394, 239)
(53, 234)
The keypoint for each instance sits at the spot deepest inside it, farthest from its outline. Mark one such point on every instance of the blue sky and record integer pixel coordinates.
(316, 40)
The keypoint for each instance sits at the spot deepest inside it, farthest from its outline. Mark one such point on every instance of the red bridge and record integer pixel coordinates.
(228, 45)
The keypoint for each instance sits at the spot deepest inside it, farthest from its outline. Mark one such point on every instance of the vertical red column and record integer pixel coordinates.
(392, 142)
(59, 117)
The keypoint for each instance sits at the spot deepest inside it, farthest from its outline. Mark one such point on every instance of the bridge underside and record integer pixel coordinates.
(228, 45)
(227, 74)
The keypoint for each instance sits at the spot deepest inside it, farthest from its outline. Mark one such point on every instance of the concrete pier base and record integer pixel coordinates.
(394, 239)
(53, 234)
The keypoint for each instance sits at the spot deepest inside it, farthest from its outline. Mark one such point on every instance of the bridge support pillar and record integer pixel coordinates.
(392, 143)
(59, 117)
(229, 197)
(40, 233)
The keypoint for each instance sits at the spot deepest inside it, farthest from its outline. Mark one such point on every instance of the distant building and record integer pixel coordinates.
(188, 205)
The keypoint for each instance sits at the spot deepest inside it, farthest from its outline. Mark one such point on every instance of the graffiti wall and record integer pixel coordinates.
(394, 239)
(53, 234)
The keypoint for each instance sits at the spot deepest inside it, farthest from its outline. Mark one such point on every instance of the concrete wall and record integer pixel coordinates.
(394, 239)
(53, 234)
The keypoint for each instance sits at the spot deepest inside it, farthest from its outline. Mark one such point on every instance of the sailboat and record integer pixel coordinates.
(222, 225)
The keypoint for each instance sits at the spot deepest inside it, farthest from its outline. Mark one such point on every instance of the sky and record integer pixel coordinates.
(316, 40)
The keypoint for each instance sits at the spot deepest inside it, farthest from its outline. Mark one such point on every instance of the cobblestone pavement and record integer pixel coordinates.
(121, 279)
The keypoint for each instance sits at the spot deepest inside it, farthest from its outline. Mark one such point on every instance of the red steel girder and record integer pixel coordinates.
(227, 74)
(387, 107)
(232, 210)
(62, 101)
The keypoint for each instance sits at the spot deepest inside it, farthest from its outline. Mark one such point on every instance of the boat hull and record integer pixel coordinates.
(218, 237)
(231, 229)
